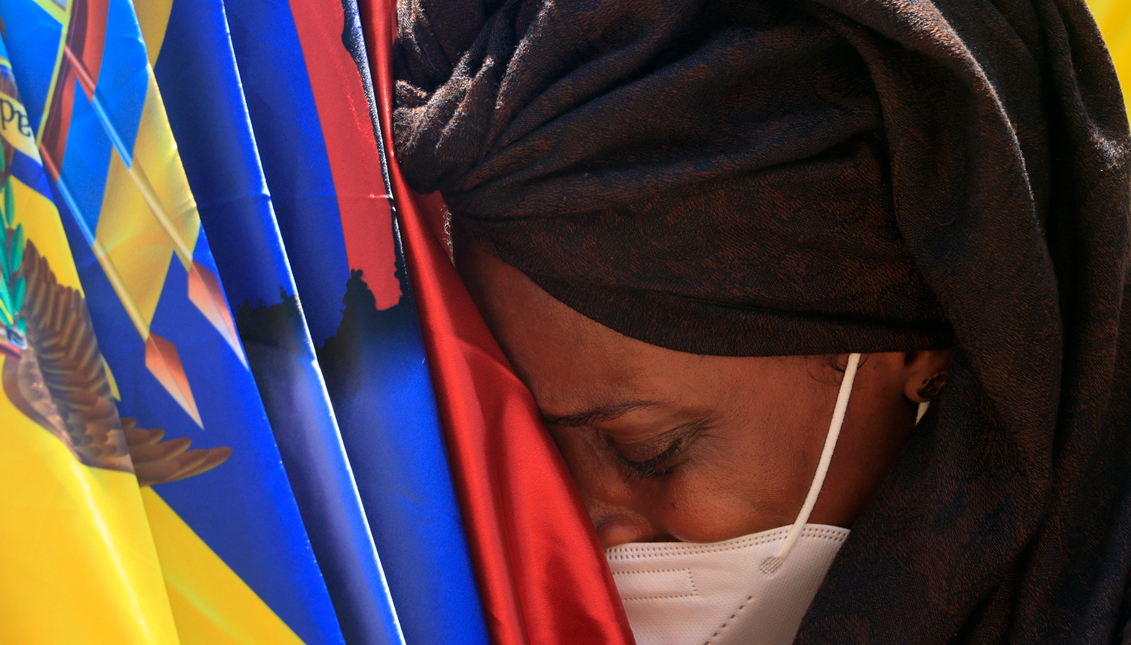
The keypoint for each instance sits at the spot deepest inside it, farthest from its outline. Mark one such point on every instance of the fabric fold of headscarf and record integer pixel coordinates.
(709, 178)
(820, 176)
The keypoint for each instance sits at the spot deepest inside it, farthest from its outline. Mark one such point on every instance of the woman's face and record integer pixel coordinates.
(665, 445)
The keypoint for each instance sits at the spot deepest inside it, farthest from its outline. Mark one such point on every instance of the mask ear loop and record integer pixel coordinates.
(773, 563)
(922, 410)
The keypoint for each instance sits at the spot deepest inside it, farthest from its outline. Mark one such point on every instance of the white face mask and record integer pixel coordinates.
(686, 594)
(752, 590)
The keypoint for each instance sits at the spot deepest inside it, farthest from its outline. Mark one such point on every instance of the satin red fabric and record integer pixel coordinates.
(542, 575)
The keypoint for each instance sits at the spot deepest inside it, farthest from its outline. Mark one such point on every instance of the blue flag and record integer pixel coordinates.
(196, 70)
(309, 95)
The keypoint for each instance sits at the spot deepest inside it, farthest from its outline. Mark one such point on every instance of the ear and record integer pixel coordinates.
(924, 368)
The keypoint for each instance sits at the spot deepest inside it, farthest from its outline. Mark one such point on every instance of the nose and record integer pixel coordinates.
(617, 524)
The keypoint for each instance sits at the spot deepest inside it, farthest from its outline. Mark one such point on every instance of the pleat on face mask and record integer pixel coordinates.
(686, 593)
(752, 590)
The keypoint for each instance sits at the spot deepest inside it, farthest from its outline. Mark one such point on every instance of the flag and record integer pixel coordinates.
(234, 555)
(543, 575)
(75, 548)
(306, 84)
(195, 67)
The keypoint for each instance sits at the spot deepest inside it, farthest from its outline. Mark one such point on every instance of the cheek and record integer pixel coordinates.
(730, 496)
(747, 477)
(695, 506)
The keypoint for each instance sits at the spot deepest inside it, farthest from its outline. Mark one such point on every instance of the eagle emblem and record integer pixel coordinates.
(54, 373)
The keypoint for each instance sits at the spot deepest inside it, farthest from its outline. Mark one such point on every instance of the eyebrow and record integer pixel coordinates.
(607, 412)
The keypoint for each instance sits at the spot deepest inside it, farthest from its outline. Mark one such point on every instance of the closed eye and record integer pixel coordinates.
(665, 460)
(658, 465)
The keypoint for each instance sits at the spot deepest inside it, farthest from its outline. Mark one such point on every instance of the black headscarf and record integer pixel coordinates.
(818, 176)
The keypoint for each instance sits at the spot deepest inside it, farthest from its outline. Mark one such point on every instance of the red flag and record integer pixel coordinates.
(542, 575)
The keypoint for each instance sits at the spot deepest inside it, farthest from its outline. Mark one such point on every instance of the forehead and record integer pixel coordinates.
(572, 363)
(561, 355)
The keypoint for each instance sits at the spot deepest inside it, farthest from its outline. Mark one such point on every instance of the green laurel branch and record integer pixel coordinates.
(12, 288)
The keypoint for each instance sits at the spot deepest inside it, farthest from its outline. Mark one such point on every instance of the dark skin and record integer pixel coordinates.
(667, 446)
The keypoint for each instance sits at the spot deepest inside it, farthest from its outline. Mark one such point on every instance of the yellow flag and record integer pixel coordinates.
(77, 559)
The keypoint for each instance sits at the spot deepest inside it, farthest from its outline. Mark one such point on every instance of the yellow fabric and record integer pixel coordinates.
(138, 238)
(77, 561)
(46, 231)
(1114, 18)
(133, 243)
(211, 603)
(153, 16)
(158, 161)
(83, 559)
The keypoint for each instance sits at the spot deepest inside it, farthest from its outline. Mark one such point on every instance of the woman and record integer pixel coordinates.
(733, 247)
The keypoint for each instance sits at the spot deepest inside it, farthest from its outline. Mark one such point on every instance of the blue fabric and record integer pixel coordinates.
(196, 71)
(33, 49)
(288, 135)
(373, 361)
(122, 83)
(86, 163)
(28, 171)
